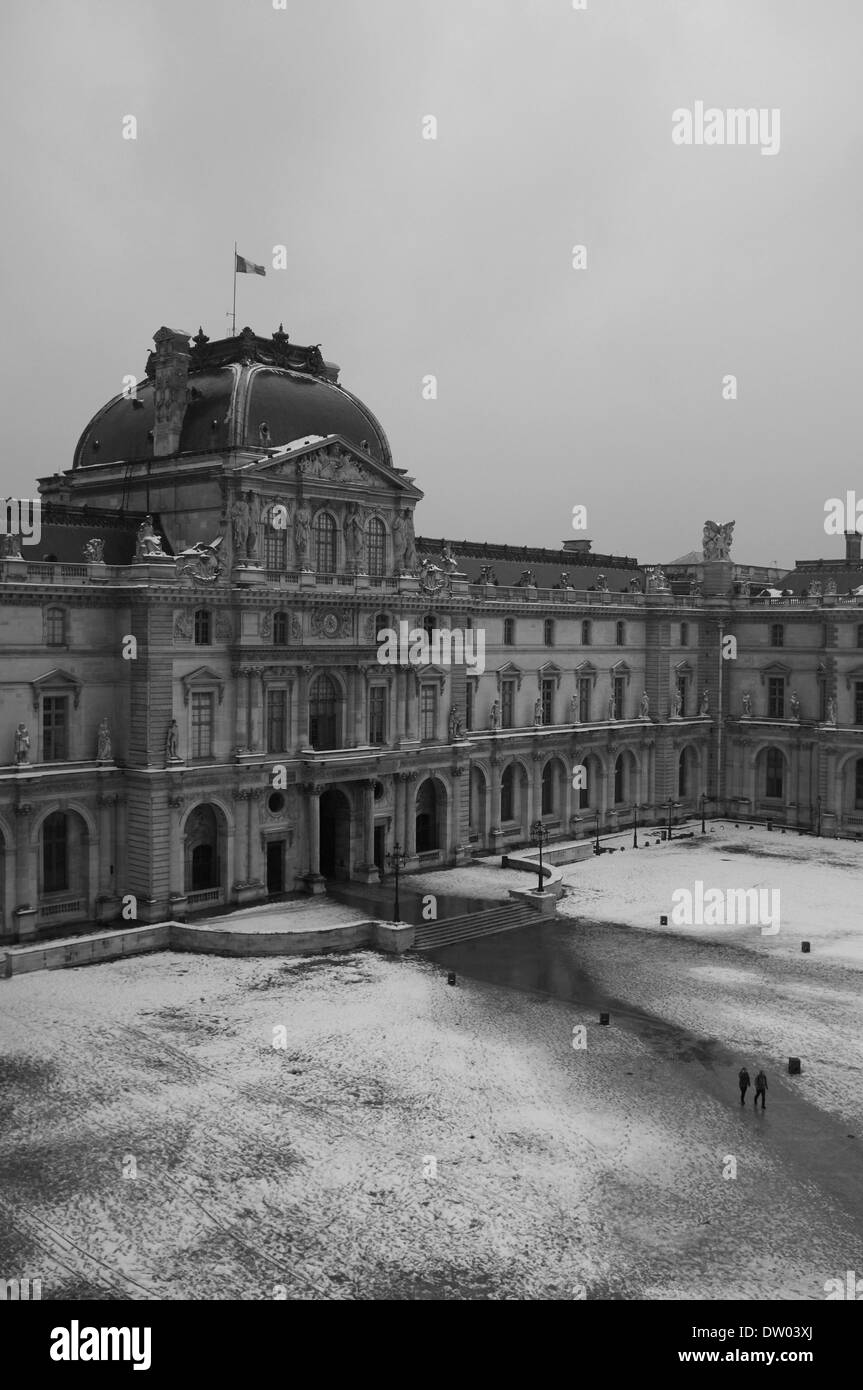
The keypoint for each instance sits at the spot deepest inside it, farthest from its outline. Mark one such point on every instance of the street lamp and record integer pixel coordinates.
(596, 828)
(671, 804)
(540, 834)
(635, 825)
(703, 803)
(396, 858)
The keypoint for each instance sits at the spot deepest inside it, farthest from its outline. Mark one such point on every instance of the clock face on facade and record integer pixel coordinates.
(330, 624)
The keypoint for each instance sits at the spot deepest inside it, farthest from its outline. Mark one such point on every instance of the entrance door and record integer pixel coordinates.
(276, 866)
(335, 834)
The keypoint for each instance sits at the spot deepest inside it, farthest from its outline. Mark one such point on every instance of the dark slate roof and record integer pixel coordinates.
(510, 561)
(65, 530)
(847, 577)
(235, 387)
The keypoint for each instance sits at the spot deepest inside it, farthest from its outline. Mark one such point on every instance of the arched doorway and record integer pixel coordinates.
(204, 850)
(335, 834)
(430, 816)
(477, 818)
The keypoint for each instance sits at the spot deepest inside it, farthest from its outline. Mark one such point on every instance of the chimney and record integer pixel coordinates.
(172, 373)
(852, 547)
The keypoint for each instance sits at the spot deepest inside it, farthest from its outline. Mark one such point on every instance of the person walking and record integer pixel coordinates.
(760, 1090)
(744, 1083)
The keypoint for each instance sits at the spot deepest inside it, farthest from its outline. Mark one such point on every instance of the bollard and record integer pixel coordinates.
(450, 979)
(770, 825)
(805, 947)
(603, 1018)
(663, 920)
(793, 1066)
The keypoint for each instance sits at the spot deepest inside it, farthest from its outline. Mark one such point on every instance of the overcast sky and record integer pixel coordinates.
(453, 257)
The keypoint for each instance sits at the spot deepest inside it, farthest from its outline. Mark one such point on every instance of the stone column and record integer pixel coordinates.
(176, 880)
(313, 879)
(461, 814)
(241, 814)
(535, 811)
(410, 831)
(494, 830)
(26, 880)
(242, 712)
(303, 708)
(256, 710)
(398, 806)
(410, 705)
(360, 687)
(367, 871)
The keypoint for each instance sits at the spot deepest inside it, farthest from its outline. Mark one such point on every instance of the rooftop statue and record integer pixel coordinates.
(716, 540)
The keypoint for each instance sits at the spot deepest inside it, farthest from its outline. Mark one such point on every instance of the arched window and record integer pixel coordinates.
(858, 785)
(325, 543)
(548, 632)
(620, 637)
(202, 628)
(682, 788)
(55, 855)
(684, 634)
(55, 627)
(507, 797)
(584, 792)
(509, 632)
(619, 780)
(377, 547)
(429, 623)
(275, 544)
(549, 785)
(323, 713)
(280, 629)
(775, 773)
(585, 633)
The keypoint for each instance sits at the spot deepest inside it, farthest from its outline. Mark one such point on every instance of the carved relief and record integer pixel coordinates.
(184, 628)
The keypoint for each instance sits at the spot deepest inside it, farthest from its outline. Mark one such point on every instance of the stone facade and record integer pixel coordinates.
(258, 745)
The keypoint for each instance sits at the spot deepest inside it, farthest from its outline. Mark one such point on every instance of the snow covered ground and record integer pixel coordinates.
(406, 1139)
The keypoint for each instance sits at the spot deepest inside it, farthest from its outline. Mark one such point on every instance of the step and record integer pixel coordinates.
(450, 930)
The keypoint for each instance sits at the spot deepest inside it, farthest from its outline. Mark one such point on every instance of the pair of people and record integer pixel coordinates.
(744, 1083)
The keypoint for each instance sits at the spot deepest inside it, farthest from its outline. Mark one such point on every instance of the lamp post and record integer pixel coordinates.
(703, 803)
(671, 804)
(818, 832)
(539, 833)
(596, 829)
(635, 825)
(396, 859)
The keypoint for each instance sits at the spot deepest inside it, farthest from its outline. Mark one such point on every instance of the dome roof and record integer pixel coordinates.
(242, 392)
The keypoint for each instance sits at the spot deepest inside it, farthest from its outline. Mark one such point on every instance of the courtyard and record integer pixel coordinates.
(351, 1127)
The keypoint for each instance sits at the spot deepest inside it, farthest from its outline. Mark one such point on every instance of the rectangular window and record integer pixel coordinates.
(55, 728)
(277, 721)
(776, 697)
(619, 697)
(378, 714)
(822, 701)
(774, 773)
(428, 712)
(548, 701)
(777, 635)
(55, 858)
(507, 704)
(858, 702)
(202, 725)
(584, 699)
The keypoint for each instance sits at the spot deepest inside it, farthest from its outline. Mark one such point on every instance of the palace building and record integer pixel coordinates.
(193, 713)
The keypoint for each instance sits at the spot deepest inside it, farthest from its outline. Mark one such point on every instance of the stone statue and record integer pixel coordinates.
(635, 586)
(831, 710)
(10, 547)
(302, 531)
(410, 559)
(103, 740)
(537, 710)
(601, 584)
(676, 704)
(355, 536)
(573, 709)
(705, 702)
(526, 579)
(241, 521)
(563, 582)
(455, 728)
(22, 744)
(495, 716)
(147, 543)
(611, 707)
(831, 588)
(93, 550)
(172, 742)
(795, 705)
(399, 534)
(716, 540)
(657, 581)
(815, 588)
(645, 705)
(747, 705)
(694, 589)
(487, 575)
(201, 561)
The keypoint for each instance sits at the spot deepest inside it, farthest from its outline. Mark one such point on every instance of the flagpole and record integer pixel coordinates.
(234, 311)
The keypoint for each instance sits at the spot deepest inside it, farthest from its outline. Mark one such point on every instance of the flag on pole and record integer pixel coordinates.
(248, 267)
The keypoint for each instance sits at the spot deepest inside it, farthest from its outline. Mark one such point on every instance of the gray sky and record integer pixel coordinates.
(454, 257)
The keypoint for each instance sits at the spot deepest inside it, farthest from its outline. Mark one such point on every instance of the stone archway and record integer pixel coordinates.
(335, 833)
(204, 850)
(430, 816)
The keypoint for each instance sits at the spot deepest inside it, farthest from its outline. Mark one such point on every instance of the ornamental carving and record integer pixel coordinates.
(200, 562)
(184, 628)
(338, 466)
(224, 627)
(330, 623)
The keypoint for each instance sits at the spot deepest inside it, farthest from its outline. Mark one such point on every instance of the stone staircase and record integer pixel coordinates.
(449, 930)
